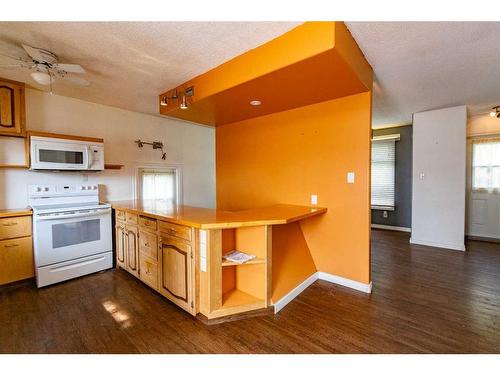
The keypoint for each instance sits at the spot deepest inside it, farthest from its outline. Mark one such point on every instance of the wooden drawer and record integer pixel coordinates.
(119, 215)
(149, 272)
(13, 227)
(16, 260)
(148, 244)
(147, 222)
(180, 231)
(131, 218)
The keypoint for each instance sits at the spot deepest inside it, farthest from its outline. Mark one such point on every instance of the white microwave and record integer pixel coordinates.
(65, 154)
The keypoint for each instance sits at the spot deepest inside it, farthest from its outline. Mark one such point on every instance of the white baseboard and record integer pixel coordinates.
(460, 247)
(362, 287)
(391, 227)
(295, 292)
(290, 296)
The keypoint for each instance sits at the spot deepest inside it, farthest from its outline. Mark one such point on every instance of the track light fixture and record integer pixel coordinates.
(189, 92)
(495, 112)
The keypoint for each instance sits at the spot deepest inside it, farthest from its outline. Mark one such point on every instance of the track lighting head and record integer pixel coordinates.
(495, 112)
(164, 100)
(175, 96)
(184, 102)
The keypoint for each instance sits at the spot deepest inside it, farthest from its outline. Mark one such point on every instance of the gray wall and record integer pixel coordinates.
(401, 216)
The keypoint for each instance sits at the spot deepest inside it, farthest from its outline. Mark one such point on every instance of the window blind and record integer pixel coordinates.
(383, 173)
(159, 185)
(486, 165)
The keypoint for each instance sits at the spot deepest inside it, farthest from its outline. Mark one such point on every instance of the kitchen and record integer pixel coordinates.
(156, 197)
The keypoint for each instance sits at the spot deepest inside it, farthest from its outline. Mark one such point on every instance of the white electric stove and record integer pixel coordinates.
(71, 232)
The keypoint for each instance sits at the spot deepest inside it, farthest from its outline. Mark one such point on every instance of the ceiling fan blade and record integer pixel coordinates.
(34, 53)
(77, 80)
(71, 68)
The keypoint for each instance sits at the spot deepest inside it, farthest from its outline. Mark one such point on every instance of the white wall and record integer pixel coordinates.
(190, 146)
(438, 213)
(484, 124)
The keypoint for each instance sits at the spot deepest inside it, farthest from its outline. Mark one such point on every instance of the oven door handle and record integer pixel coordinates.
(70, 216)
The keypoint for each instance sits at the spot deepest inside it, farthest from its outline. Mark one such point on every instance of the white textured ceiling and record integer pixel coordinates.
(427, 65)
(130, 63)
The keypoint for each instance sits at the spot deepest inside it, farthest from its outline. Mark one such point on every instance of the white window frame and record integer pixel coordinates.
(395, 137)
(479, 140)
(159, 167)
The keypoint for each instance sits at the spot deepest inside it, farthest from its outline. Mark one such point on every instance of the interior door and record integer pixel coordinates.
(483, 204)
(132, 251)
(176, 276)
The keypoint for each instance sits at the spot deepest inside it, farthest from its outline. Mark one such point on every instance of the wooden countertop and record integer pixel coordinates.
(15, 212)
(206, 218)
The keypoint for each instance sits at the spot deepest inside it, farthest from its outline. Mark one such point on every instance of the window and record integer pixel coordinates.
(486, 165)
(383, 171)
(159, 184)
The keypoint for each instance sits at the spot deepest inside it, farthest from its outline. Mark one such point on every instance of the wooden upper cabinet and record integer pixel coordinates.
(12, 110)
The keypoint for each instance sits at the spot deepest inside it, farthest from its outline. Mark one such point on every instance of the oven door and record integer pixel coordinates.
(54, 155)
(70, 235)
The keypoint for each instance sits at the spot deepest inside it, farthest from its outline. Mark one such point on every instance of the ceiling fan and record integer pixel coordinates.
(46, 68)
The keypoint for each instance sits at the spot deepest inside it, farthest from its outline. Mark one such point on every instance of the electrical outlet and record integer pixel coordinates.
(385, 215)
(314, 199)
(350, 177)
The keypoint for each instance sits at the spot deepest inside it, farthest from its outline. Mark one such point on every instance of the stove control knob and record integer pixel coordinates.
(45, 189)
(82, 187)
(38, 189)
(94, 187)
(89, 187)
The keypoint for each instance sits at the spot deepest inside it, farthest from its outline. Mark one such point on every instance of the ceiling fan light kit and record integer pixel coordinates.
(42, 78)
(495, 112)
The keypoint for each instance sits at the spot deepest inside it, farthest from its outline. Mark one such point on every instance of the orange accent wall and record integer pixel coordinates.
(287, 156)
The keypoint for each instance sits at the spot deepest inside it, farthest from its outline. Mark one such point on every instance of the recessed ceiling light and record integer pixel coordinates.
(255, 102)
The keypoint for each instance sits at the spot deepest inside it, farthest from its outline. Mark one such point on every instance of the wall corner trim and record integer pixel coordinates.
(334, 279)
(450, 246)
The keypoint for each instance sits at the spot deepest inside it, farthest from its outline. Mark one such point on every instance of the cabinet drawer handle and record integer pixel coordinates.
(13, 245)
(10, 224)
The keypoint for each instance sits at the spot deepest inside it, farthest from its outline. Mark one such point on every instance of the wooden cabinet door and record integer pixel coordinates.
(132, 255)
(120, 246)
(11, 108)
(177, 272)
(16, 260)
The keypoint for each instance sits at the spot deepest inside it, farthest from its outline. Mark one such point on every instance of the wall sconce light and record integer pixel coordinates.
(495, 112)
(156, 145)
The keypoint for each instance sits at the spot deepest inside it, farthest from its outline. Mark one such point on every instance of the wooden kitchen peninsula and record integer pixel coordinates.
(177, 250)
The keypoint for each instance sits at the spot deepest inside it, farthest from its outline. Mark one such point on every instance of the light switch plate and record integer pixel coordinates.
(314, 199)
(350, 177)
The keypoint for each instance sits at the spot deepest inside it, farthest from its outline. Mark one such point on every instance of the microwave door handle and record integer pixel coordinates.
(89, 157)
(70, 216)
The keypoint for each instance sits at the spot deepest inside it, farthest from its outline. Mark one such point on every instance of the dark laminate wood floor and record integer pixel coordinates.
(424, 300)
